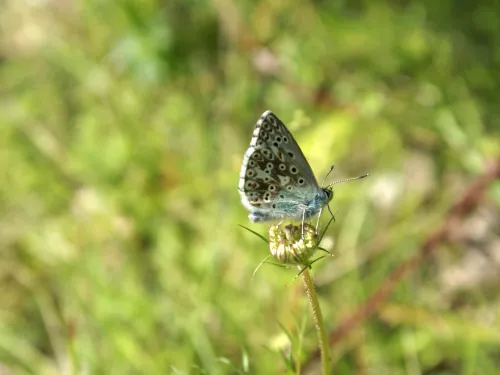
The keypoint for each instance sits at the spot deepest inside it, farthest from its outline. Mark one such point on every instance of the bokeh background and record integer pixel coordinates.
(123, 125)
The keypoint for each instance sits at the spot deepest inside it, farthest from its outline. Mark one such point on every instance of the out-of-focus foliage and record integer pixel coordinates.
(122, 129)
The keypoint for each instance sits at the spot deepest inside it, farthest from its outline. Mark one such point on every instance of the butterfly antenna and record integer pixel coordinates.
(330, 171)
(349, 179)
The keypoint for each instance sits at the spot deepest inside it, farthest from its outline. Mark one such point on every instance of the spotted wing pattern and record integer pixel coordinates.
(276, 180)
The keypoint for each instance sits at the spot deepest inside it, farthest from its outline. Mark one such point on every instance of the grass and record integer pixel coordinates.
(122, 130)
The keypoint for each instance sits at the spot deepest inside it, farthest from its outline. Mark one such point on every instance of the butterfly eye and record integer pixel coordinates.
(285, 140)
(291, 154)
(278, 139)
(250, 173)
(270, 165)
(282, 167)
(252, 163)
(289, 188)
(282, 196)
(271, 188)
(301, 181)
(293, 169)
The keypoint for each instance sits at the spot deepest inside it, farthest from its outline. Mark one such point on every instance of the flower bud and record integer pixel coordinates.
(289, 247)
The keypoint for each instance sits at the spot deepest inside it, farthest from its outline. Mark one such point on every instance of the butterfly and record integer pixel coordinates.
(276, 181)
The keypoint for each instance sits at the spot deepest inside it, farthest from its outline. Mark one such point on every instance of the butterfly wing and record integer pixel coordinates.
(276, 180)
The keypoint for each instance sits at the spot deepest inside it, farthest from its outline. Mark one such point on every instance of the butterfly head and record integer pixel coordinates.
(328, 193)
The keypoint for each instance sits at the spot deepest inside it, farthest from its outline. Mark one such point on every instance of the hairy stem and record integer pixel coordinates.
(318, 321)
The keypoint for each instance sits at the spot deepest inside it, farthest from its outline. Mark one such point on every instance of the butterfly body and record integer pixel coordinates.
(276, 181)
(290, 208)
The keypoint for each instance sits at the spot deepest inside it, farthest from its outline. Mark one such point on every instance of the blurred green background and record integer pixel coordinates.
(122, 128)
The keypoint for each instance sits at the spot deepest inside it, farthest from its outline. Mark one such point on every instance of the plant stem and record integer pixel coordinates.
(318, 321)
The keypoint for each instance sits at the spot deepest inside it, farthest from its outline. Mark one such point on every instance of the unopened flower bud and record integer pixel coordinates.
(289, 246)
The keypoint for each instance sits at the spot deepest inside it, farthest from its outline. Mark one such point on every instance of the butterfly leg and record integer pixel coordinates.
(319, 217)
(303, 220)
(327, 225)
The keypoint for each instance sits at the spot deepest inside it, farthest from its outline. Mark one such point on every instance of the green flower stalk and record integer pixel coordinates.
(294, 245)
(318, 321)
